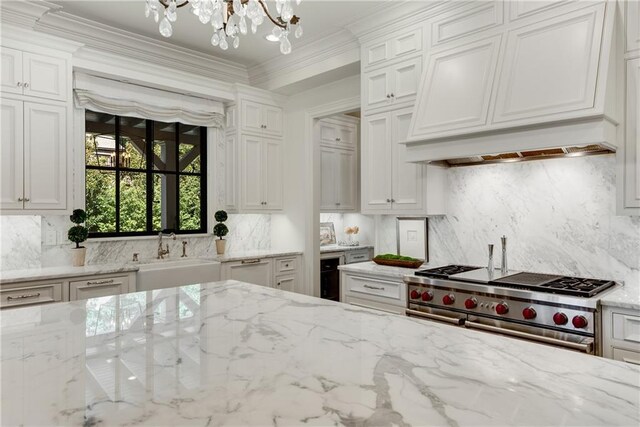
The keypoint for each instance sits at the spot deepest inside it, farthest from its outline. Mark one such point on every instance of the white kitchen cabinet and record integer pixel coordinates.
(393, 85)
(629, 155)
(371, 291)
(22, 294)
(34, 137)
(389, 48)
(338, 187)
(34, 75)
(98, 287)
(261, 118)
(261, 173)
(338, 133)
(287, 273)
(256, 271)
(390, 184)
(621, 334)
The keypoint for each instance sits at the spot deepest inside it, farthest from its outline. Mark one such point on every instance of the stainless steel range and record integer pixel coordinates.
(557, 310)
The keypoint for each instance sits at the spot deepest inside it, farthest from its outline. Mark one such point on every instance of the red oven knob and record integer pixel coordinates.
(579, 322)
(529, 313)
(448, 299)
(415, 294)
(560, 318)
(470, 303)
(502, 308)
(427, 296)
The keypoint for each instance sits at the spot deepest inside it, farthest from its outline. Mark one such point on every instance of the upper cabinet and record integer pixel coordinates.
(34, 75)
(393, 47)
(261, 118)
(632, 26)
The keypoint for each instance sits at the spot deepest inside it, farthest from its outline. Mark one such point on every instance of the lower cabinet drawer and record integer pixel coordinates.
(99, 287)
(374, 287)
(626, 356)
(626, 328)
(387, 308)
(38, 294)
(286, 283)
(357, 256)
(285, 265)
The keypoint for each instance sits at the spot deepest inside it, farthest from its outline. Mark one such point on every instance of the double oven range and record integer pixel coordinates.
(555, 310)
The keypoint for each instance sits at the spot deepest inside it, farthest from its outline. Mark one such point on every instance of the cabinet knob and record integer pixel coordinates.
(25, 85)
(20, 199)
(27, 200)
(393, 95)
(388, 200)
(393, 200)
(388, 96)
(19, 84)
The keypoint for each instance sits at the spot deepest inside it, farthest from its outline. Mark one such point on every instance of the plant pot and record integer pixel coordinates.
(220, 246)
(78, 255)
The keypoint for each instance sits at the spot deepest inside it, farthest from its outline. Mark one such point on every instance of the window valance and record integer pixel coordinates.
(126, 99)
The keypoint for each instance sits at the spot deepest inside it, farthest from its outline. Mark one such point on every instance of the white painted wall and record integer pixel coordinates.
(296, 228)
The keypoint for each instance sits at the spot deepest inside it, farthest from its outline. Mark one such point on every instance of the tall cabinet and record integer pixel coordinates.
(391, 184)
(253, 154)
(35, 170)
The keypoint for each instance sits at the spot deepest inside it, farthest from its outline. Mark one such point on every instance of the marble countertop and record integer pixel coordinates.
(627, 296)
(46, 273)
(238, 256)
(371, 268)
(230, 353)
(339, 248)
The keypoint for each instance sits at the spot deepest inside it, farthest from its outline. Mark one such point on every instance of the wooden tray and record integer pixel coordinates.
(398, 263)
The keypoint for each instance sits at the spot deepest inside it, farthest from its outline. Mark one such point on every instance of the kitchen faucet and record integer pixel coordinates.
(163, 252)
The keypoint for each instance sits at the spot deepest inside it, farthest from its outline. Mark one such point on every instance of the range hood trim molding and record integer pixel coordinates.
(598, 131)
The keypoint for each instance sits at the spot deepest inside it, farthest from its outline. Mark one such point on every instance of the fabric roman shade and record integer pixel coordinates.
(125, 99)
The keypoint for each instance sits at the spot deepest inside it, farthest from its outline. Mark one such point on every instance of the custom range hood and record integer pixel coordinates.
(534, 86)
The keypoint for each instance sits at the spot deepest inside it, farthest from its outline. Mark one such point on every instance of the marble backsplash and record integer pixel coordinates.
(22, 242)
(365, 236)
(558, 215)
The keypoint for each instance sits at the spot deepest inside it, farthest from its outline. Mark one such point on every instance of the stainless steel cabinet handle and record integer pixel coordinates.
(374, 287)
(358, 257)
(250, 261)
(431, 316)
(100, 282)
(25, 296)
(586, 348)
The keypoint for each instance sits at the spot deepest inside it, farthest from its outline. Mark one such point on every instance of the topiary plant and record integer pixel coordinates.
(220, 230)
(220, 216)
(78, 233)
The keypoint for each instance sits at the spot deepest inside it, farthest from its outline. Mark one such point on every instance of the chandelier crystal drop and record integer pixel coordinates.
(230, 18)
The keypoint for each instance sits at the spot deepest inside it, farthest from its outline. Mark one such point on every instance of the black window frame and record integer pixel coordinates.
(150, 172)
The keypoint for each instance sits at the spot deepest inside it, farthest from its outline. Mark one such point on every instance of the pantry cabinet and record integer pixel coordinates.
(34, 156)
(390, 184)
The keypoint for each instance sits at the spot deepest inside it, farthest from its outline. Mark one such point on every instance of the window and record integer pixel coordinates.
(144, 176)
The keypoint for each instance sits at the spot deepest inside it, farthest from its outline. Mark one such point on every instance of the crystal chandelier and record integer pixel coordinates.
(230, 18)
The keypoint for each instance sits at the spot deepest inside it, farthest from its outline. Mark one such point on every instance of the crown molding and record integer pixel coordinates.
(25, 13)
(134, 46)
(310, 59)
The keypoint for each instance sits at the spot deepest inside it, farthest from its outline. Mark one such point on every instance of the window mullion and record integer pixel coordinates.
(117, 147)
(149, 154)
(177, 181)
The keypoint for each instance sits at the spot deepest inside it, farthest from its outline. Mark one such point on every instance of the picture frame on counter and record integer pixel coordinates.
(412, 235)
(327, 234)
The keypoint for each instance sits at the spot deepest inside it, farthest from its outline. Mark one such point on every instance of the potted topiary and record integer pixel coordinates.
(78, 234)
(220, 230)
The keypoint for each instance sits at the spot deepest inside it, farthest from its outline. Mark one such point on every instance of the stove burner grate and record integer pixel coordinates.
(446, 271)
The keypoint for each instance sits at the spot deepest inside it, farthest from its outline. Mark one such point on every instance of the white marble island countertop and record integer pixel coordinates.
(230, 353)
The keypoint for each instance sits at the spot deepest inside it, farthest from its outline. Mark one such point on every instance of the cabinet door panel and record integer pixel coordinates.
(376, 163)
(272, 170)
(407, 177)
(272, 117)
(257, 272)
(376, 53)
(286, 283)
(328, 198)
(328, 133)
(252, 116)
(456, 88)
(408, 43)
(251, 166)
(230, 172)
(100, 287)
(405, 80)
(11, 70)
(347, 135)
(45, 155)
(631, 161)
(11, 154)
(45, 76)
(377, 88)
(346, 179)
(550, 67)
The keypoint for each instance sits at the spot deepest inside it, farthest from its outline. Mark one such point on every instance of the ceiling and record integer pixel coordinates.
(318, 18)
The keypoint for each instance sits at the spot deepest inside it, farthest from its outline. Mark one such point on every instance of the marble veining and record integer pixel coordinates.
(65, 271)
(559, 216)
(373, 269)
(340, 220)
(19, 242)
(230, 353)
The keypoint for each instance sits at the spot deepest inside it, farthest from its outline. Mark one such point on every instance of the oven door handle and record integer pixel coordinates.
(453, 320)
(585, 348)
